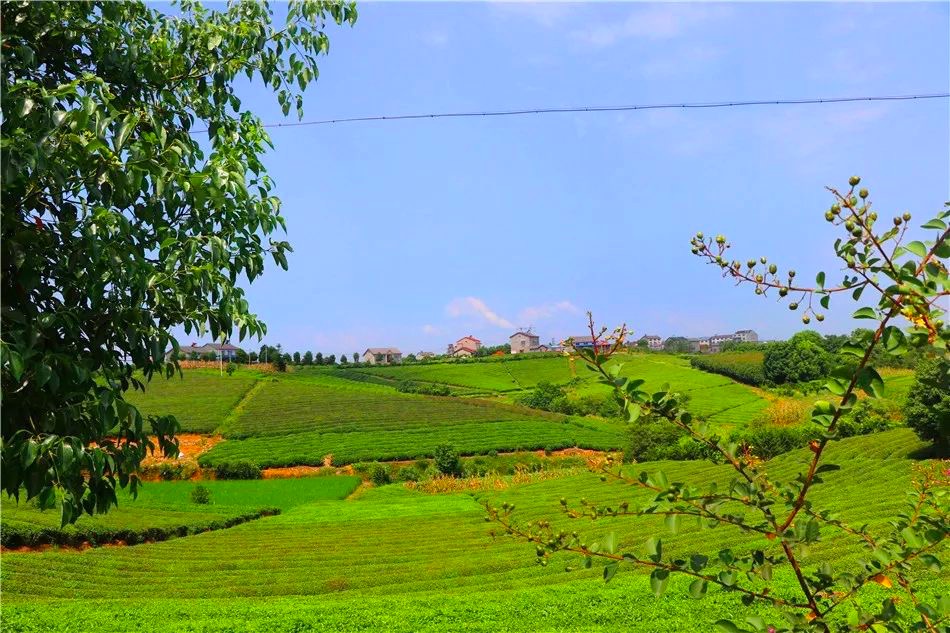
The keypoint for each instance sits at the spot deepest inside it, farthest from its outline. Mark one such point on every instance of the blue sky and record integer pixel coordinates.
(414, 233)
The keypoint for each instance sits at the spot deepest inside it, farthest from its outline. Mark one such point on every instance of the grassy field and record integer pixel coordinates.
(393, 559)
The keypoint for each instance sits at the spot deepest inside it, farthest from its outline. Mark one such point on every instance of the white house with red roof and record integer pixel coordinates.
(465, 346)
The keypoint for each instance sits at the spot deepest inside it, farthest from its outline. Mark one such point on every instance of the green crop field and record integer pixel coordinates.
(719, 399)
(394, 559)
(421, 441)
(164, 509)
(200, 399)
(488, 375)
(293, 406)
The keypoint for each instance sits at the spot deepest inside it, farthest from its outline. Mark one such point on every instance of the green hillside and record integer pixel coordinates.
(715, 397)
(200, 398)
(393, 559)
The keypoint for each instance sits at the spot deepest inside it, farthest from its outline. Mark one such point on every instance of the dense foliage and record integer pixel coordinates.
(928, 402)
(134, 198)
(800, 359)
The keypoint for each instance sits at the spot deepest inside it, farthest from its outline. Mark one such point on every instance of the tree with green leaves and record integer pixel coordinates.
(296, 358)
(134, 198)
(356, 357)
(319, 358)
(331, 359)
(308, 358)
(676, 345)
(343, 360)
(927, 410)
(778, 514)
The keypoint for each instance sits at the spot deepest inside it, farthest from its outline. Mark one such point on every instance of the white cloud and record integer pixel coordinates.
(658, 22)
(431, 329)
(546, 311)
(473, 306)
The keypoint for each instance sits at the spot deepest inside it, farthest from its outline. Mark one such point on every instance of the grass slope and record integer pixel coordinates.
(164, 509)
(396, 560)
(200, 399)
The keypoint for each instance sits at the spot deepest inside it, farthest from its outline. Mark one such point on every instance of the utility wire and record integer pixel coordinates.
(617, 108)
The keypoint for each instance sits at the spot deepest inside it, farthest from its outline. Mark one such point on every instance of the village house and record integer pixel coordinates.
(382, 356)
(522, 342)
(424, 355)
(221, 351)
(465, 346)
(587, 342)
(713, 344)
(653, 341)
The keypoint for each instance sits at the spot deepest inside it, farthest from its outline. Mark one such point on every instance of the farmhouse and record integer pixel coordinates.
(653, 341)
(587, 342)
(713, 344)
(382, 356)
(222, 351)
(465, 346)
(522, 342)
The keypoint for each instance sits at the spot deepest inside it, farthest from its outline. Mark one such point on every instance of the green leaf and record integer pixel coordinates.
(214, 41)
(864, 313)
(697, 588)
(654, 547)
(698, 562)
(659, 579)
(610, 570)
(672, 523)
(936, 223)
(917, 248)
(728, 626)
(820, 279)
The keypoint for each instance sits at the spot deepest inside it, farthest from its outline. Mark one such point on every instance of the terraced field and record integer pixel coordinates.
(200, 399)
(294, 406)
(717, 398)
(469, 438)
(393, 559)
(164, 510)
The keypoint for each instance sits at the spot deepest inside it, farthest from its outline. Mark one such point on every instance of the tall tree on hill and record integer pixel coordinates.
(343, 360)
(296, 358)
(331, 359)
(319, 359)
(308, 358)
(356, 357)
(133, 198)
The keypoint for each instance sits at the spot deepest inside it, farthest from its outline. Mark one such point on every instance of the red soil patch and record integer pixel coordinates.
(290, 472)
(190, 446)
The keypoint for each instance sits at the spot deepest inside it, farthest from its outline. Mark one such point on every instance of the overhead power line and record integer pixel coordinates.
(615, 108)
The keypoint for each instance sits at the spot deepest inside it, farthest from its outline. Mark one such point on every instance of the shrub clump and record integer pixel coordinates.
(800, 359)
(238, 470)
(200, 495)
(447, 460)
(379, 474)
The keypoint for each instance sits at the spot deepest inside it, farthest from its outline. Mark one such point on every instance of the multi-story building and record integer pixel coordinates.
(522, 342)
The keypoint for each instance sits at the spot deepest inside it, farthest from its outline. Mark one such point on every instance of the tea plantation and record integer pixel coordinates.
(393, 559)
